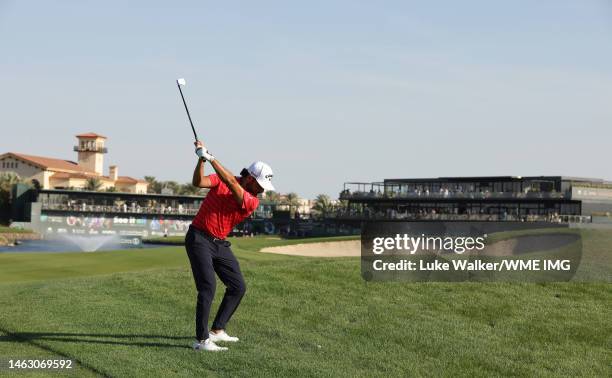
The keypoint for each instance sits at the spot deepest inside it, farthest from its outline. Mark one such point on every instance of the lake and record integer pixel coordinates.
(67, 245)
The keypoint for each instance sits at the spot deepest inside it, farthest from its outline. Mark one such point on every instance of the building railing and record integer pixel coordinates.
(84, 208)
(347, 195)
(90, 149)
(552, 218)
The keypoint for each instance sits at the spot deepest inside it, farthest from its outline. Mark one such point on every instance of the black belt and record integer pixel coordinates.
(210, 237)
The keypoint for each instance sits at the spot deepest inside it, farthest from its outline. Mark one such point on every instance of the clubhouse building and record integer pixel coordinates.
(53, 173)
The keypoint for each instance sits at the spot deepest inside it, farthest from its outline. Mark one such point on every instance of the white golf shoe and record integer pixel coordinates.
(222, 336)
(208, 345)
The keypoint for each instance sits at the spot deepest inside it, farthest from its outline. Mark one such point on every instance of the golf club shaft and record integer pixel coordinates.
(188, 115)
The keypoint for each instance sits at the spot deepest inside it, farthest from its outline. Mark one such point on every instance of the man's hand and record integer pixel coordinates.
(202, 152)
(200, 180)
(226, 176)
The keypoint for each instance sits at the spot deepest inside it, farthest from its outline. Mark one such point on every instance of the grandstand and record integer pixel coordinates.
(495, 198)
(56, 212)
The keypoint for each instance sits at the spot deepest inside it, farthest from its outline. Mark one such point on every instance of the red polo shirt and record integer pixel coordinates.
(220, 212)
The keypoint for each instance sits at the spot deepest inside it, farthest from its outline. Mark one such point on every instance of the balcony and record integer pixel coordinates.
(452, 195)
(394, 216)
(143, 210)
(373, 191)
(101, 150)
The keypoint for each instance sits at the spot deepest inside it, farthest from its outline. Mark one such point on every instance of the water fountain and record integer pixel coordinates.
(92, 243)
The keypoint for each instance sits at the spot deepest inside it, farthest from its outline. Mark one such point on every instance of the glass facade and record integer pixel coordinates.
(455, 198)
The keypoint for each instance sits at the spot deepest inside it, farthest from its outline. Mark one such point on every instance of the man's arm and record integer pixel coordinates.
(199, 179)
(224, 175)
(230, 180)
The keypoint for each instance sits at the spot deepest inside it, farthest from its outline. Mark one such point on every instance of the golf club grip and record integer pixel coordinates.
(187, 110)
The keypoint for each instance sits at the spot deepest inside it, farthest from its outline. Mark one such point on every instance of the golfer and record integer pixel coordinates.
(230, 200)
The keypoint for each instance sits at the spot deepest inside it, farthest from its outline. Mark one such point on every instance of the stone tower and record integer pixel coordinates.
(91, 152)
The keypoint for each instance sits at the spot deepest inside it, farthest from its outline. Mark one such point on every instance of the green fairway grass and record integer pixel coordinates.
(131, 313)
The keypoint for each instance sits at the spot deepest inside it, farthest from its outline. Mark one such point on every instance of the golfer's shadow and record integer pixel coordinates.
(97, 338)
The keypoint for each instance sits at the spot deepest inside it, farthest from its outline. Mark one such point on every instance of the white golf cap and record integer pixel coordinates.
(262, 173)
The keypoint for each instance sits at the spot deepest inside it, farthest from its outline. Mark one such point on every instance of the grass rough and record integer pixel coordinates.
(130, 313)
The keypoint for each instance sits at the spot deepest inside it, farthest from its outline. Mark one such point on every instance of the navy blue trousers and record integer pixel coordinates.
(207, 257)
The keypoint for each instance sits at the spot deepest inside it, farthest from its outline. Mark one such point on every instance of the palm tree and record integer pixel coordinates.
(292, 200)
(154, 185)
(93, 183)
(322, 204)
(7, 181)
(36, 184)
(189, 190)
(341, 205)
(174, 186)
(272, 197)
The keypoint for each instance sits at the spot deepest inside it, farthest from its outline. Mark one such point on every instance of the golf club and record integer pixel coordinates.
(180, 83)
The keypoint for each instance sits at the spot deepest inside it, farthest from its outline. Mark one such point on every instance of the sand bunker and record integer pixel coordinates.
(325, 249)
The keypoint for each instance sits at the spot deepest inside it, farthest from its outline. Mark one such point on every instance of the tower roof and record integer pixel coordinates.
(91, 135)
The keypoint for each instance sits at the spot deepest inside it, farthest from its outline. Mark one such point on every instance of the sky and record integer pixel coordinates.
(324, 91)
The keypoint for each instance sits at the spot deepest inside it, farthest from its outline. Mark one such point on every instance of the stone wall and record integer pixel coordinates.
(9, 238)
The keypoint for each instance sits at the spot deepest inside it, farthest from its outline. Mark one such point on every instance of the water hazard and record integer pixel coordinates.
(77, 244)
